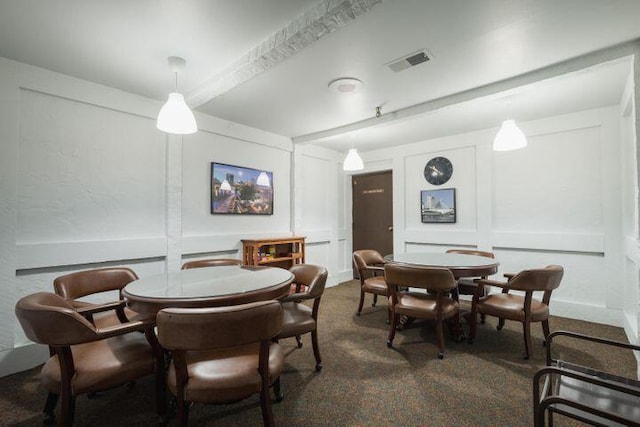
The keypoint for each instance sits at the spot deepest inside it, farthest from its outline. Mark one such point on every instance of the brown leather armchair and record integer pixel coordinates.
(466, 285)
(370, 266)
(214, 262)
(84, 358)
(437, 304)
(90, 282)
(223, 354)
(524, 309)
(299, 318)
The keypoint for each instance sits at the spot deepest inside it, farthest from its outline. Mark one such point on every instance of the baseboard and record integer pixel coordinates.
(336, 279)
(589, 313)
(22, 358)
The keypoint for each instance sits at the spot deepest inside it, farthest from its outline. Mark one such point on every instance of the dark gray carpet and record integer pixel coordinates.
(363, 382)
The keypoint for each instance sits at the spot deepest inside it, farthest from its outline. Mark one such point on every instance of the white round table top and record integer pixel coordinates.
(207, 286)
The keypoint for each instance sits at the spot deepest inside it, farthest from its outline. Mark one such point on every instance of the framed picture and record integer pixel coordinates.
(240, 190)
(438, 206)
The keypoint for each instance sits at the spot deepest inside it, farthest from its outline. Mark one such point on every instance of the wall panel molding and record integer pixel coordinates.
(53, 254)
(572, 242)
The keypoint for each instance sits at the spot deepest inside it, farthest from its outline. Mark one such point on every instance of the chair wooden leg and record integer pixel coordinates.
(440, 335)
(500, 323)
(182, 407)
(277, 390)
(392, 329)
(361, 303)
(298, 341)
(375, 300)
(316, 349)
(545, 330)
(483, 318)
(265, 404)
(68, 409)
(526, 329)
(49, 408)
(473, 325)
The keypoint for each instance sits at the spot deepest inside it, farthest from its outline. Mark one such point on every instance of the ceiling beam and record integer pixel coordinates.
(491, 89)
(322, 19)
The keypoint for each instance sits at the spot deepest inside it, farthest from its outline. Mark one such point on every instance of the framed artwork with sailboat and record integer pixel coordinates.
(438, 206)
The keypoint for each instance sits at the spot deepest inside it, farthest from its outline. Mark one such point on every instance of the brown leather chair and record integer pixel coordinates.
(91, 282)
(437, 304)
(223, 354)
(299, 318)
(86, 359)
(466, 285)
(524, 309)
(214, 262)
(370, 266)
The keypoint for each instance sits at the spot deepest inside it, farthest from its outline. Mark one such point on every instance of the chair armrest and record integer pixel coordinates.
(375, 268)
(125, 328)
(509, 276)
(490, 282)
(295, 297)
(98, 308)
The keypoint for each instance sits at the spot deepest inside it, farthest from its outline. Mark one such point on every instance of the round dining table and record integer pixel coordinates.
(207, 287)
(461, 265)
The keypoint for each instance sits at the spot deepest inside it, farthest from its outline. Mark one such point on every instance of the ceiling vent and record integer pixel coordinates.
(408, 61)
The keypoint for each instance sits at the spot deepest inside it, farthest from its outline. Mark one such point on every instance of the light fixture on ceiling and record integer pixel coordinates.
(175, 115)
(353, 161)
(509, 137)
(345, 85)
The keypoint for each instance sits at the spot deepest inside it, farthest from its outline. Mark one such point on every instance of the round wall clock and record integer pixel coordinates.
(438, 170)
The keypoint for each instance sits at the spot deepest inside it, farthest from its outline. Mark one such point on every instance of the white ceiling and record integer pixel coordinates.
(124, 44)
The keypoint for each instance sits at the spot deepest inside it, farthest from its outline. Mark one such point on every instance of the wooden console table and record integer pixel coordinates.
(279, 252)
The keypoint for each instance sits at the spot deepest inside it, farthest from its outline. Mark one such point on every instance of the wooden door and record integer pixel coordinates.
(373, 212)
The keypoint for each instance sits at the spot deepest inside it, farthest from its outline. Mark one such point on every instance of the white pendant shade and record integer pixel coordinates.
(509, 137)
(263, 180)
(176, 117)
(352, 162)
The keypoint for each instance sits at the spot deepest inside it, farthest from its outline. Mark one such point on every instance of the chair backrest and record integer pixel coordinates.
(364, 258)
(313, 277)
(432, 278)
(471, 252)
(47, 318)
(539, 279)
(214, 262)
(83, 283)
(218, 327)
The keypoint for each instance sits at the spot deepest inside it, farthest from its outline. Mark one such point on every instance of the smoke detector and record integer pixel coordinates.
(345, 85)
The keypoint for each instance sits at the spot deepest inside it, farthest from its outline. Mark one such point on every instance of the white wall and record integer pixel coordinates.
(321, 210)
(86, 180)
(558, 201)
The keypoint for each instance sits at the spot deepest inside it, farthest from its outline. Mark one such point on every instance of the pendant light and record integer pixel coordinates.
(353, 161)
(509, 137)
(176, 117)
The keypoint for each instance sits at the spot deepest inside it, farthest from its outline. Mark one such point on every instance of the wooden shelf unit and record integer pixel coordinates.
(278, 252)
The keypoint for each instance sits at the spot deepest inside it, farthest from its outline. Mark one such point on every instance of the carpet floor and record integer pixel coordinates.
(363, 383)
